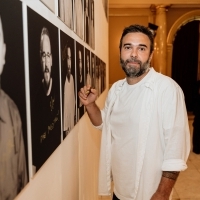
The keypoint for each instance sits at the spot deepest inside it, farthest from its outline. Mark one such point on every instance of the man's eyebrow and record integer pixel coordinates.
(141, 45)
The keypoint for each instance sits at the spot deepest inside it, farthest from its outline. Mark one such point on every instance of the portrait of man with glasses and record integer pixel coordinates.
(44, 88)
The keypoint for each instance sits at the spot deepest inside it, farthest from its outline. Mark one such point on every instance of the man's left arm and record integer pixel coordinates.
(165, 186)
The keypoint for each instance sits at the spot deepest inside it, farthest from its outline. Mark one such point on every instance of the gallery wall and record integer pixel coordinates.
(58, 158)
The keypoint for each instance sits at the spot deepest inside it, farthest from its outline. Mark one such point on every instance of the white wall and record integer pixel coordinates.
(71, 172)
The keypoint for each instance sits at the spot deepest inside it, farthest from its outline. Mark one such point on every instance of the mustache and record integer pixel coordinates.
(132, 60)
(46, 70)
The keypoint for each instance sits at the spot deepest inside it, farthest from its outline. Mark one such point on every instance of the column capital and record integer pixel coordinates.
(162, 6)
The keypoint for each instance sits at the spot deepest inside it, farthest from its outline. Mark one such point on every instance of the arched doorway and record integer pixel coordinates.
(185, 61)
(182, 56)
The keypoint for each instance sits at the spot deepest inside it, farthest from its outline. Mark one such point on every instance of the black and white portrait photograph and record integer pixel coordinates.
(97, 76)
(102, 72)
(79, 77)
(89, 23)
(66, 12)
(86, 22)
(93, 64)
(68, 82)
(13, 125)
(44, 87)
(78, 24)
(49, 4)
(92, 24)
(88, 80)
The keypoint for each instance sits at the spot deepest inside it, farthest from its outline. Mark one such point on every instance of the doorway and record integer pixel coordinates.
(185, 61)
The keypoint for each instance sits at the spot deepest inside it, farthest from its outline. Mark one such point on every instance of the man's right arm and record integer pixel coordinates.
(87, 97)
(94, 114)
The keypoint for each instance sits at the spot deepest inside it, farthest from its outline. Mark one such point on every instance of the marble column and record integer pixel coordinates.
(160, 50)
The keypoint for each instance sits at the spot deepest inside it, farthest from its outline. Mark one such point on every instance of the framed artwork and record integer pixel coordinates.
(88, 80)
(68, 82)
(78, 19)
(13, 124)
(44, 87)
(102, 72)
(93, 65)
(79, 77)
(66, 12)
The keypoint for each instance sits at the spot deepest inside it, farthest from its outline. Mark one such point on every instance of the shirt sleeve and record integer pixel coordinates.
(175, 129)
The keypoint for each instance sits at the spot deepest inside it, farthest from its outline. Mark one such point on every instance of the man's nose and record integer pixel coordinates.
(134, 52)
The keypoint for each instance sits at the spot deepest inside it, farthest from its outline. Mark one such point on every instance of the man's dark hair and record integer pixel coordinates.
(135, 28)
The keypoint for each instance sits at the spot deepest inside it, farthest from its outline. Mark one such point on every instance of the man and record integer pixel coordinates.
(46, 113)
(13, 172)
(80, 81)
(69, 96)
(145, 134)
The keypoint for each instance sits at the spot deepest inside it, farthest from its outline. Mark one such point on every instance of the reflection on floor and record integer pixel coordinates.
(187, 186)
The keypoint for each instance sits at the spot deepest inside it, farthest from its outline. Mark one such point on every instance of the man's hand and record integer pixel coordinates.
(87, 95)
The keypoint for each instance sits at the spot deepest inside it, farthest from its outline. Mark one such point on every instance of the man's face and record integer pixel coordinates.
(80, 62)
(69, 60)
(2, 49)
(135, 54)
(46, 59)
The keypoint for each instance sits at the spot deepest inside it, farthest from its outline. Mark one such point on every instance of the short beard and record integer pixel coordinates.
(133, 72)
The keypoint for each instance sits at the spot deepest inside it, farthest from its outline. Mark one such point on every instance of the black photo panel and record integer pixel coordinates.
(13, 124)
(68, 82)
(79, 77)
(44, 87)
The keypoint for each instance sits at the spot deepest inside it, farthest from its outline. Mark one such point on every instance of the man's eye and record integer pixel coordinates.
(127, 47)
(142, 49)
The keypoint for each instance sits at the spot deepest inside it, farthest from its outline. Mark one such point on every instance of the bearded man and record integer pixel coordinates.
(145, 135)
